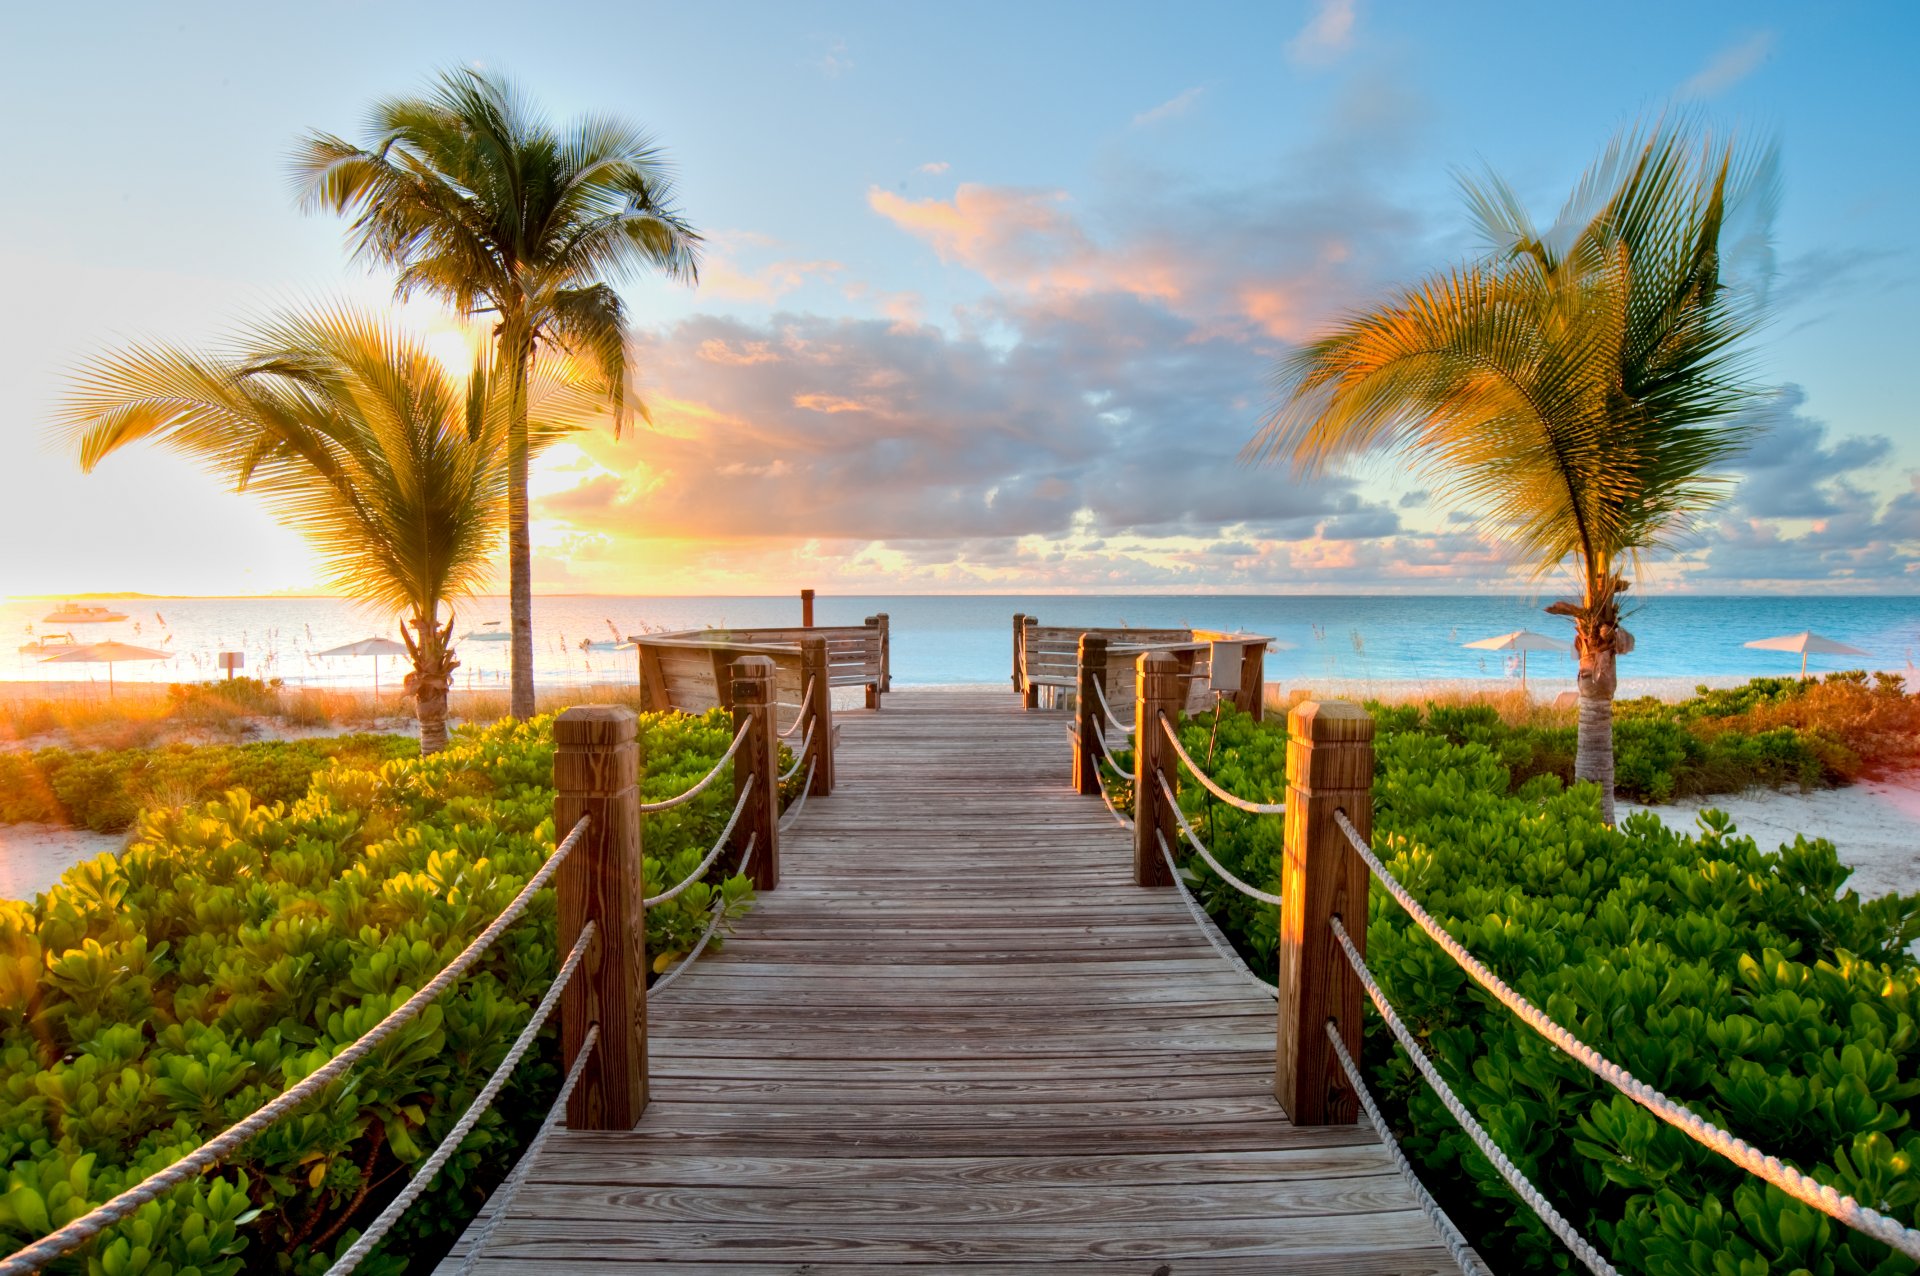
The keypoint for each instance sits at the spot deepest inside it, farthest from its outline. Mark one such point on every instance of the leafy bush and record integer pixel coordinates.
(1746, 984)
(151, 999)
(106, 789)
(1770, 732)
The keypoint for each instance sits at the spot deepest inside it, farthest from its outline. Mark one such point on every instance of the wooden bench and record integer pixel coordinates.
(1047, 657)
(857, 655)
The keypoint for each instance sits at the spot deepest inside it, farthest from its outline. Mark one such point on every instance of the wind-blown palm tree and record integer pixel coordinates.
(357, 438)
(476, 199)
(1575, 388)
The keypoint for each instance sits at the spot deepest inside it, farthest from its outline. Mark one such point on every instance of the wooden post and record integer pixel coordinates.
(1158, 690)
(1253, 681)
(1087, 717)
(759, 761)
(813, 674)
(1019, 634)
(886, 653)
(1329, 768)
(806, 609)
(596, 773)
(876, 643)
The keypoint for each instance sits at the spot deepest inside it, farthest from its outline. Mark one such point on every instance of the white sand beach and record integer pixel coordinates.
(1874, 825)
(32, 856)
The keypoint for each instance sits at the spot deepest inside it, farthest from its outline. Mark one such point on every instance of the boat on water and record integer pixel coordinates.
(51, 645)
(492, 631)
(81, 614)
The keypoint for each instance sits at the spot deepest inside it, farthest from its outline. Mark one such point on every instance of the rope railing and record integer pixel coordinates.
(1830, 1201)
(800, 756)
(1450, 1236)
(804, 711)
(720, 844)
(1206, 781)
(1522, 1187)
(793, 812)
(1125, 821)
(214, 1150)
(1193, 840)
(713, 923)
(497, 1205)
(1208, 930)
(377, 1230)
(1100, 695)
(667, 804)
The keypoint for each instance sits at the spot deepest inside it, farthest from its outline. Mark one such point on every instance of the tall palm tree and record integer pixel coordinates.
(357, 438)
(475, 198)
(1575, 387)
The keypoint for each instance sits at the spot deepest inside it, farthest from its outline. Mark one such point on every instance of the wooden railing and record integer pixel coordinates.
(1051, 657)
(683, 669)
(596, 775)
(1329, 769)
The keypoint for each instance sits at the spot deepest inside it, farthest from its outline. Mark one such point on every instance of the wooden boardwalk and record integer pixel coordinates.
(957, 1036)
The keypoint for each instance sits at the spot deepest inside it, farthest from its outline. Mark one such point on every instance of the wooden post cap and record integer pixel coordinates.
(752, 679)
(595, 726)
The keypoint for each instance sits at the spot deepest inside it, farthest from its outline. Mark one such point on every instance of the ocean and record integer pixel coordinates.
(947, 639)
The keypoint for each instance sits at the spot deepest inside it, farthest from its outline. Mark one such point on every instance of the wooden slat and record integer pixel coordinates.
(957, 1038)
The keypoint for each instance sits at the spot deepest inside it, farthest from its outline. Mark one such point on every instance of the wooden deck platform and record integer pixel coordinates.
(958, 1037)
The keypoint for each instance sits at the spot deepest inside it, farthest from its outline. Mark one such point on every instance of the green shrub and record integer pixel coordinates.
(151, 999)
(106, 789)
(1748, 985)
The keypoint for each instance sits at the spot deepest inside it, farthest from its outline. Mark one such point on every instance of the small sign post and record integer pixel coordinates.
(231, 660)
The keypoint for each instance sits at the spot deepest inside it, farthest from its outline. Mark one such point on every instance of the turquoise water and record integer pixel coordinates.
(967, 638)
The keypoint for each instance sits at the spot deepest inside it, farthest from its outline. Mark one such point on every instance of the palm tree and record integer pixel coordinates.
(1575, 388)
(358, 439)
(476, 199)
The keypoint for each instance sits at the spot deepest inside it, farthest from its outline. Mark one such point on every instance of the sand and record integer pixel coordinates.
(1875, 826)
(32, 856)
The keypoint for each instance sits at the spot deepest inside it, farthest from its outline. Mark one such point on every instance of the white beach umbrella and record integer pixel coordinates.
(1522, 641)
(375, 647)
(1806, 642)
(108, 654)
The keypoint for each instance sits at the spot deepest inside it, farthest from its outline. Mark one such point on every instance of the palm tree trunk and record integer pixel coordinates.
(518, 350)
(432, 678)
(1593, 756)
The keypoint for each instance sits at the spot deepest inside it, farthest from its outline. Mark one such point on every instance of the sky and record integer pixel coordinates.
(992, 294)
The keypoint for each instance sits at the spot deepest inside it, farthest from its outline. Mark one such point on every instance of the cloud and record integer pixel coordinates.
(1174, 107)
(1805, 513)
(935, 167)
(1730, 66)
(835, 62)
(1792, 469)
(1327, 35)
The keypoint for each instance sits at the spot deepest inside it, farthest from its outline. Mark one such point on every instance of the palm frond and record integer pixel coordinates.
(1576, 389)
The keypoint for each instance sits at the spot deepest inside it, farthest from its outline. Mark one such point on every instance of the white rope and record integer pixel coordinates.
(800, 755)
(1193, 840)
(377, 1230)
(668, 804)
(713, 923)
(1205, 923)
(1463, 1255)
(654, 901)
(806, 704)
(1833, 1203)
(1258, 808)
(502, 1198)
(1525, 1190)
(1106, 756)
(793, 811)
(1100, 694)
(214, 1150)
(1126, 821)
